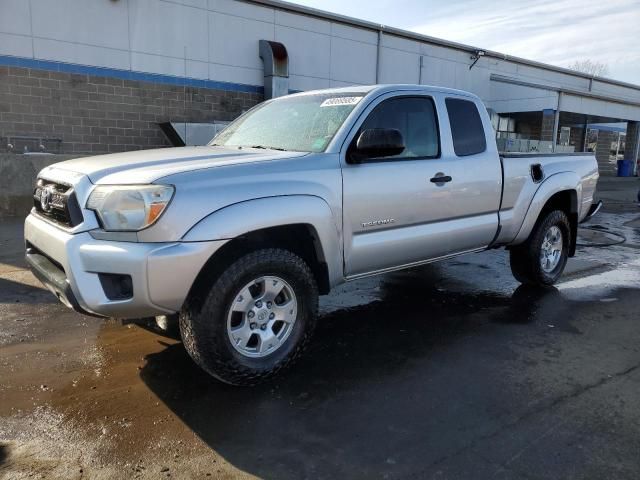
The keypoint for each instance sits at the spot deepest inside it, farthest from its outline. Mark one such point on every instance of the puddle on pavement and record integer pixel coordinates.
(132, 398)
(625, 224)
(83, 397)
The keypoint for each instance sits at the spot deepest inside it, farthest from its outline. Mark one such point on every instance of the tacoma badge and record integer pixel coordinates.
(375, 223)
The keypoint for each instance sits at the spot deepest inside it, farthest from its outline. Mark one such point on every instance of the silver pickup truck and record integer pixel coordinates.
(298, 195)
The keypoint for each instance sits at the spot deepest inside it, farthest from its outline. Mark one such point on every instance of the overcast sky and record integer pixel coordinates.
(551, 31)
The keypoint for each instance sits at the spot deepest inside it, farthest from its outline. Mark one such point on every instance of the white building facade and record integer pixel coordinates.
(209, 50)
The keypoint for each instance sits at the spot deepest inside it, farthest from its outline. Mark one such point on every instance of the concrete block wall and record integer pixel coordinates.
(546, 129)
(576, 138)
(17, 179)
(534, 130)
(87, 113)
(603, 151)
(632, 145)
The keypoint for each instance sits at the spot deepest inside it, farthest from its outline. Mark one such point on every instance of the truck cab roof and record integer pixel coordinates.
(388, 88)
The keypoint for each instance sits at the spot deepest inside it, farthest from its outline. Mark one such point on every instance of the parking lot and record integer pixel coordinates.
(451, 370)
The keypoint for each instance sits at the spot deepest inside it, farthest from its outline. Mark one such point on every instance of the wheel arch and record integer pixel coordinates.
(558, 192)
(303, 224)
(566, 201)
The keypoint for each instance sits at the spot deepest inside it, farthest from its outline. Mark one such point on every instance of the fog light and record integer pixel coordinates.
(116, 286)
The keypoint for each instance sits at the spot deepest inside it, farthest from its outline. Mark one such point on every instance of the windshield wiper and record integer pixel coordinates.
(268, 148)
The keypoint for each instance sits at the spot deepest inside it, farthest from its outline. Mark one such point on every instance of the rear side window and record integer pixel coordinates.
(466, 127)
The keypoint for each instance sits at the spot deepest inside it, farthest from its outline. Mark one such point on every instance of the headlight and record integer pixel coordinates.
(129, 207)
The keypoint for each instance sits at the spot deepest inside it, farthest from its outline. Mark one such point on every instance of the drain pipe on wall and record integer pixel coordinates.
(276, 68)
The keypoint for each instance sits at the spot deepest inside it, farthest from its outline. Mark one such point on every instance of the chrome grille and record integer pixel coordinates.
(57, 202)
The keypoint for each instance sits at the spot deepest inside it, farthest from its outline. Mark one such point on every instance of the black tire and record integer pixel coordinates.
(525, 258)
(203, 321)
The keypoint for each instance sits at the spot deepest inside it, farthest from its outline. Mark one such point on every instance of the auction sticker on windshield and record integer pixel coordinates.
(339, 101)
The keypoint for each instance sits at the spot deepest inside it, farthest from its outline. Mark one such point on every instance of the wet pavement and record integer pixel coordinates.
(447, 371)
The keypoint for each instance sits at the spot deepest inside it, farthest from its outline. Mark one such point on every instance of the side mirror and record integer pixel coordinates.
(379, 142)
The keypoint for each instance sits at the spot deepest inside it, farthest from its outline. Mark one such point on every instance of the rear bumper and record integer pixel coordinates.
(70, 265)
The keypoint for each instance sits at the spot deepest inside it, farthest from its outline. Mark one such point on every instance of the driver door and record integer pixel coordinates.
(393, 212)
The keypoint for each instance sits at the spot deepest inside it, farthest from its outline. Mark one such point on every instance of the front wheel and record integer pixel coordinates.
(255, 319)
(542, 258)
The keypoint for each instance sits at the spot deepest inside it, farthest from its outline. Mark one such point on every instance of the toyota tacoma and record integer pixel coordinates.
(300, 194)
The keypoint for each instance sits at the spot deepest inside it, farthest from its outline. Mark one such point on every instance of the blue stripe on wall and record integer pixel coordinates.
(11, 61)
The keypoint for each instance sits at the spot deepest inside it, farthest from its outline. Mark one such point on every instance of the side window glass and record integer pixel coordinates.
(467, 130)
(415, 118)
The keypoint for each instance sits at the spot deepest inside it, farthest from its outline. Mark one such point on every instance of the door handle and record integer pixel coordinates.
(441, 178)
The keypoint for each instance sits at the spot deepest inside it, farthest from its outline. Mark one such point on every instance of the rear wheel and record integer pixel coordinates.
(255, 319)
(543, 257)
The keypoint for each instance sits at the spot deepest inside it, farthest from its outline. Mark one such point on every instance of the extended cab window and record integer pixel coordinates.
(415, 118)
(466, 127)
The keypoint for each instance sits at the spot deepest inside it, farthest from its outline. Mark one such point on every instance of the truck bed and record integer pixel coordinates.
(519, 188)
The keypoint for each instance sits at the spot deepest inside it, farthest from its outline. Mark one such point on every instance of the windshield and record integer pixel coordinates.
(304, 123)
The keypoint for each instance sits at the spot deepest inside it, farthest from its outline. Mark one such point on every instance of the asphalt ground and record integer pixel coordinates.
(451, 370)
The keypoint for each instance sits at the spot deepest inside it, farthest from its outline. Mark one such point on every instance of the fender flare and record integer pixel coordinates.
(555, 183)
(248, 216)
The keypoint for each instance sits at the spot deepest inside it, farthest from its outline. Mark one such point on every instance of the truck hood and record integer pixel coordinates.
(147, 166)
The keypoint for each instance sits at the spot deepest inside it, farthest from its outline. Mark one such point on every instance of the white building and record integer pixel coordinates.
(69, 63)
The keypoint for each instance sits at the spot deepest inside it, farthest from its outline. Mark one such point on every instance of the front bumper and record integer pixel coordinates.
(70, 266)
(53, 278)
